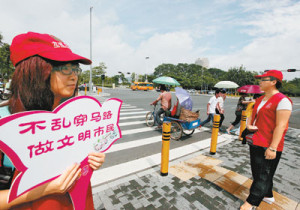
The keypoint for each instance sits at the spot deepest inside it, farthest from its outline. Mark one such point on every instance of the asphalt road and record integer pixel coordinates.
(142, 99)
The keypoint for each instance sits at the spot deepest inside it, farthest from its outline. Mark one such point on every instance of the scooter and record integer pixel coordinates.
(5, 94)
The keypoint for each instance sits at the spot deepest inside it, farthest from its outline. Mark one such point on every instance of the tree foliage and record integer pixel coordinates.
(97, 71)
(198, 77)
(6, 67)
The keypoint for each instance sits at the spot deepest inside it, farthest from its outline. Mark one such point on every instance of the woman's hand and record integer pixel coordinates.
(270, 155)
(252, 128)
(96, 159)
(64, 182)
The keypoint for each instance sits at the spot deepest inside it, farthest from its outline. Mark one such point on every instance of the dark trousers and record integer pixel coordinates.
(222, 117)
(262, 172)
(237, 119)
(158, 114)
(209, 118)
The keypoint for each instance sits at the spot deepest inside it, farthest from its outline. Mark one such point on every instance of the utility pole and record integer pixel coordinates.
(146, 68)
(90, 83)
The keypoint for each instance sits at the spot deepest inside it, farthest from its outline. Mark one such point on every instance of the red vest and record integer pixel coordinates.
(57, 202)
(266, 121)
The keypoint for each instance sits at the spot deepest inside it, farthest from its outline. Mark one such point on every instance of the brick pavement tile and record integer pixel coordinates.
(137, 206)
(106, 201)
(150, 207)
(237, 178)
(182, 172)
(242, 193)
(227, 184)
(198, 205)
(98, 204)
(109, 192)
(283, 201)
(114, 200)
(164, 203)
(155, 196)
(144, 202)
(123, 199)
(136, 193)
(128, 206)
(266, 206)
(248, 183)
(181, 203)
(214, 173)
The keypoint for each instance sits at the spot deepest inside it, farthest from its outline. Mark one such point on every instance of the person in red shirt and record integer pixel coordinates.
(166, 102)
(46, 72)
(269, 122)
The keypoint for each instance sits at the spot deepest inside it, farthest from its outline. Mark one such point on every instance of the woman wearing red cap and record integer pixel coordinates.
(46, 72)
(269, 122)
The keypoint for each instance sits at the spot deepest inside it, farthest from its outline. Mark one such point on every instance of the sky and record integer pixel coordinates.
(258, 34)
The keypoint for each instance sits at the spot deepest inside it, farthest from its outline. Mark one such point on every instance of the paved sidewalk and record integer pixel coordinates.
(203, 181)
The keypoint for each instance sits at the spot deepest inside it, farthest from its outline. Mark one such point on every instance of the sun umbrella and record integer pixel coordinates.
(249, 89)
(184, 98)
(226, 84)
(166, 81)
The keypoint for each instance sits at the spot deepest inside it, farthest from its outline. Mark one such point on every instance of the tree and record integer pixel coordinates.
(96, 72)
(99, 70)
(240, 76)
(6, 67)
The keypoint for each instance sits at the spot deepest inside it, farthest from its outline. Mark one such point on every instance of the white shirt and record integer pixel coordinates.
(284, 104)
(221, 102)
(212, 104)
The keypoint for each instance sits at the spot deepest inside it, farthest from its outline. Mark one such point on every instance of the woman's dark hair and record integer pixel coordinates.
(30, 85)
(163, 87)
(256, 95)
(278, 83)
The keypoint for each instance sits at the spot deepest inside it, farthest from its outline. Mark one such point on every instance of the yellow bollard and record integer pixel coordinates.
(214, 134)
(243, 124)
(166, 135)
(85, 90)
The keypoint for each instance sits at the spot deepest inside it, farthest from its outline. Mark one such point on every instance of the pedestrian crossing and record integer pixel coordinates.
(135, 135)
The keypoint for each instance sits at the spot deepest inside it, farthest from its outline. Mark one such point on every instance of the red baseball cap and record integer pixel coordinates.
(47, 46)
(272, 73)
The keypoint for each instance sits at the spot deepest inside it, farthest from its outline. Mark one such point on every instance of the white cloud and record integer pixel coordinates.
(272, 26)
(276, 42)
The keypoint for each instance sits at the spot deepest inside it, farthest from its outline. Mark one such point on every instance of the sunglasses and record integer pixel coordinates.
(68, 69)
(265, 80)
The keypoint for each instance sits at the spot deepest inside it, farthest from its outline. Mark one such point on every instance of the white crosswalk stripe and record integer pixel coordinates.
(132, 117)
(132, 123)
(130, 109)
(132, 113)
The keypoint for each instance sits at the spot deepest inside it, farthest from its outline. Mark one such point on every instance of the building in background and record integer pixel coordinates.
(202, 62)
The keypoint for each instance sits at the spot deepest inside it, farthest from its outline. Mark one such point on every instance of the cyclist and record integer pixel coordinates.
(166, 101)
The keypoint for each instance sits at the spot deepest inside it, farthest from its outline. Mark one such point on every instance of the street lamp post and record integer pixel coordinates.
(90, 82)
(146, 68)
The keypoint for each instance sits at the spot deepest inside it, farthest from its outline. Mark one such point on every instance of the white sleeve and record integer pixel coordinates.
(284, 104)
(211, 100)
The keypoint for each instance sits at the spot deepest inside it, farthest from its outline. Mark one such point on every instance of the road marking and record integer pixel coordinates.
(130, 113)
(132, 117)
(139, 122)
(127, 106)
(137, 130)
(128, 110)
(124, 169)
(142, 142)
